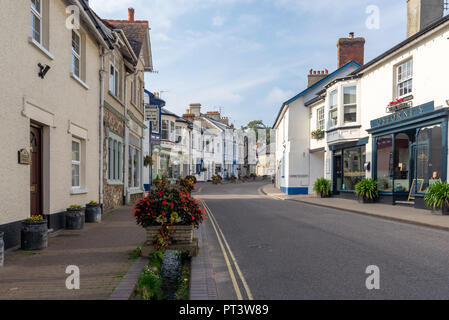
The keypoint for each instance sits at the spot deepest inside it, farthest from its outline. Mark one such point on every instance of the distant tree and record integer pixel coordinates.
(256, 125)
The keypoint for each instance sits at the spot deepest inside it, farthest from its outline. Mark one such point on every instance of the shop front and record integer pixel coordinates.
(348, 166)
(409, 152)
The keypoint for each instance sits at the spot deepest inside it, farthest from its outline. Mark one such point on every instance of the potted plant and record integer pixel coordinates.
(217, 179)
(366, 190)
(169, 216)
(186, 184)
(34, 233)
(233, 179)
(192, 178)
(93, 212)
(160, 182)
(148, 161)
(322, 187)
(437, 197)
(318, 134)
(204, 169)
(75, 217)
(253, 176)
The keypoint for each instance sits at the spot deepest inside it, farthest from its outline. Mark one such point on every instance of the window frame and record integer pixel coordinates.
(115, 149)
(77, 163)
(116, 77)
(133, 89)
(349, 104)
(37, 15)
(321, 118)
(408, 79)
(333, 108)
(77, 55)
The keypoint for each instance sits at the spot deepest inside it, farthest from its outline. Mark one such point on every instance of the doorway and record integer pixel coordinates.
(338, 172)
(35, 170)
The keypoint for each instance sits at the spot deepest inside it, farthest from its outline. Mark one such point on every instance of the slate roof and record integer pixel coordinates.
(135, 32)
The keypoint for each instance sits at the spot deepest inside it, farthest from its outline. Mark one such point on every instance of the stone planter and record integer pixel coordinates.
(2, 249)
(34, 235)
(74, 219)
(93, 213)
(180, 234)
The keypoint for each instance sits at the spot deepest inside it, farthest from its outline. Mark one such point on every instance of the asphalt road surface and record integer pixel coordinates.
(289, 250)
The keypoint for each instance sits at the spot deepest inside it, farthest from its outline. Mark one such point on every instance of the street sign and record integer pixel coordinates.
(152, 114)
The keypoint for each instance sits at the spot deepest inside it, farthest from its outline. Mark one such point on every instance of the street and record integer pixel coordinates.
(290, 250)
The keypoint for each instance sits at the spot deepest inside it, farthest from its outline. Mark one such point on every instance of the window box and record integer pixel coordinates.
(318, 134)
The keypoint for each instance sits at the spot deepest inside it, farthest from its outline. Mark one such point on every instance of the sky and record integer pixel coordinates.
(246, 57)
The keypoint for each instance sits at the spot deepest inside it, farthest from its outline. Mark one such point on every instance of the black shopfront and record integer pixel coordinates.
(409, 152)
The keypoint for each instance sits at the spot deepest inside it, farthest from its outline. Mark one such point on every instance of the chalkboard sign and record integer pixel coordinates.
(419, 183)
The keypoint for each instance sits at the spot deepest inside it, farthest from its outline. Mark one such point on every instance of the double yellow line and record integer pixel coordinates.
(222, 239)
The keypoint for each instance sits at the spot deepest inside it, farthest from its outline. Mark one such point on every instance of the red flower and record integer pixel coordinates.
(164, 203)
(163, 214)
(172, 205)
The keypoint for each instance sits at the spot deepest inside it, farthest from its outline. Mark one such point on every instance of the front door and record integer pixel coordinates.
(338, 172)
(36, 170)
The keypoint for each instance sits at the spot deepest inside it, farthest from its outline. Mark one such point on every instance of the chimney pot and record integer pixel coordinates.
(131, 14)
(351, 35)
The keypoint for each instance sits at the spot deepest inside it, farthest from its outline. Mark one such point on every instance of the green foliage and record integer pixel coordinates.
(135, 254)
(367, 188)
(92, 203)
(322, 186)
(150, 284)
(437, 195)
(75, 207)
(217, 179)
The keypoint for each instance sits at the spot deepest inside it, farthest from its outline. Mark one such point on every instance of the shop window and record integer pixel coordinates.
(350, 104)
(401, 163)
(404, 79)
(354, 172)
(429, 158)
(385, 163)
(333, 108)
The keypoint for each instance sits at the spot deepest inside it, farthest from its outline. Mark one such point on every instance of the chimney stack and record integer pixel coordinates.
(195, 109)
(422, 13)
(131, 14)
(315, 76)
(351, 49)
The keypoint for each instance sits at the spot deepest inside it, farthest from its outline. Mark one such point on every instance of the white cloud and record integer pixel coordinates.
(218, 21)
(277, 96)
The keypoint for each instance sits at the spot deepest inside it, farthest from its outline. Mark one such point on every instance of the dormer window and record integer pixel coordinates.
(404, 79)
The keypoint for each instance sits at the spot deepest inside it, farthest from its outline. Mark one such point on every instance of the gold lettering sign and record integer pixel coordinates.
(24, 157)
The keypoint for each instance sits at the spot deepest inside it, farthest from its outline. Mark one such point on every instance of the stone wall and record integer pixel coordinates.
(112, 194)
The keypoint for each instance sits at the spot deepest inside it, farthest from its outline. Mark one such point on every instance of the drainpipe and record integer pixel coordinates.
(102, 77)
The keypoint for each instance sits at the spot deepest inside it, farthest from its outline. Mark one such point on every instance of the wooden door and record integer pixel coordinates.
(36, 170)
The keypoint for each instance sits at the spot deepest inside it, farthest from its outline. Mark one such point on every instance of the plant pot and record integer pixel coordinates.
(74, 219)
(366, 200)
(322, 195)
(2, 249)
(180, 234)
(93, 213)
(34, 235)
(441, 211)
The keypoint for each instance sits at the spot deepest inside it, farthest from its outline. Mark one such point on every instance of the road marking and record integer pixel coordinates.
(234, 260)
(228, 264)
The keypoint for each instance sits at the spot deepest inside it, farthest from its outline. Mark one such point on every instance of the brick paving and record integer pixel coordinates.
(396, 213)
(101, 251)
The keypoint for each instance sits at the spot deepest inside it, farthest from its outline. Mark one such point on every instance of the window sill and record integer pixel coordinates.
(116, 98)
(76, 191)
(135, 191)
(41, 48)
(81, 82)
(115, 183)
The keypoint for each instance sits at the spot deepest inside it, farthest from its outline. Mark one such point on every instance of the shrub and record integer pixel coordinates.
(217, 179)
(322, 186)
(186, 184)
(437, 195)
(367, 188)
(193, 178)
(160, 182)
(150, 284)
(233, 179)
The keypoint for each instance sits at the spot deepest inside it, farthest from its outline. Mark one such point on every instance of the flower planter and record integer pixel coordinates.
(180, 234)
(2, 249)
(93, 213)
(441, 211)
(324, 196)
(34, 235)
(74, 219)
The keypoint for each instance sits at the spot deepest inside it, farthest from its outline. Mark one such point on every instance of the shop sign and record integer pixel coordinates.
(403, 115)
(24, 157)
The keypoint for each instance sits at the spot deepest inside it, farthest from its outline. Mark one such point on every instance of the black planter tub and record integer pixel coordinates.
(34, 235)
(74, 219)
(2, 249)
(93, 213)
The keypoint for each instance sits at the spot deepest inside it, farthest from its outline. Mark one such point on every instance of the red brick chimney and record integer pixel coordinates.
(131, 14)
(351, 49)
(315, 76)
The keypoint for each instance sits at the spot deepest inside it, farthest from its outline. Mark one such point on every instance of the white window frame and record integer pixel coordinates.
(320, 118)
(166, 130)
(333, 108)
(76, 55)
(349, 104)
(37, 15)
(77, 163)
(114, 79)
(133, 90)
(139, 94)
(404, 76)
(135, 170)
(114, 159)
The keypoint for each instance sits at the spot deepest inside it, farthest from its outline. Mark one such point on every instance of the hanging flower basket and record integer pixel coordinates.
(147, 161)
(318, 134)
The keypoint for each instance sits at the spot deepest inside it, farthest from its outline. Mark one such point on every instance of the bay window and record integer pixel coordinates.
(350, 104)
(429, 159)
(333, 108)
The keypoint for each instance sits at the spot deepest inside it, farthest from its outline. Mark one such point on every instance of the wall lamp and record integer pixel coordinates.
(44, 70)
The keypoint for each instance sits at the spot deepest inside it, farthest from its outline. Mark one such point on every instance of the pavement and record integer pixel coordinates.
(289, 250)
(100, 251)
(397, 213)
